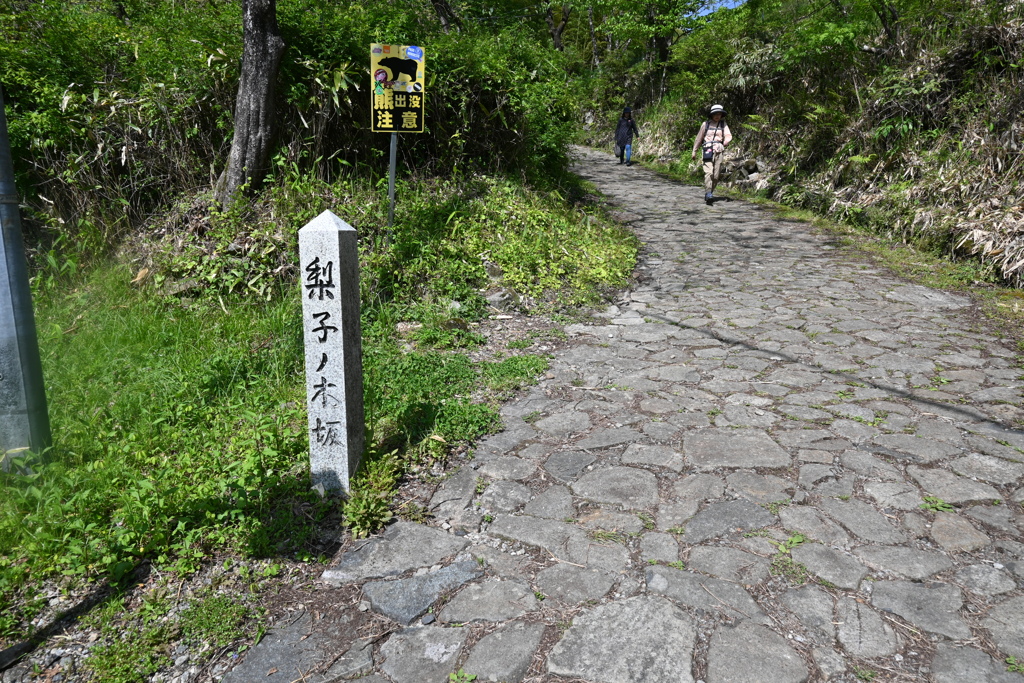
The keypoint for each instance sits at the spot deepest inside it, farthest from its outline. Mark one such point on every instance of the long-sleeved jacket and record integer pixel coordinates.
(624, 131)
(717, 135)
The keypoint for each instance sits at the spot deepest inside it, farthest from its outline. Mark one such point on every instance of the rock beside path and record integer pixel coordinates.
(734, 649)
(425, 654)
(405, 599)
(934, 608)
(492, 600)
(284, 648)
(637, 640)
(506, 654)
(403, 546)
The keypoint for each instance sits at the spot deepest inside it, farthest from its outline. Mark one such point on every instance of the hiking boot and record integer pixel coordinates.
(708, 199)
(629, 163)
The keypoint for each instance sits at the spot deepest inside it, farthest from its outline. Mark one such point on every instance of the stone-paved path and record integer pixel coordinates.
(722, 480)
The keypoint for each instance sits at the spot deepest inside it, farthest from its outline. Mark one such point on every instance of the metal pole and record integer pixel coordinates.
(24, 421)
(391, 179)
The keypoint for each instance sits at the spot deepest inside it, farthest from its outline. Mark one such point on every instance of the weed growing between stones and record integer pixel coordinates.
(783, 563)
(933, 504)
(762, 533)
(791, 542)
(413, 512)
(879, 419)
(366, 511)
(775, 506)
(603, 536)
(646, 520)
(789, 569)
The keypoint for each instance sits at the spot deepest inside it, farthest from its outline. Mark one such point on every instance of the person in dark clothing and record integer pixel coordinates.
(624, 136)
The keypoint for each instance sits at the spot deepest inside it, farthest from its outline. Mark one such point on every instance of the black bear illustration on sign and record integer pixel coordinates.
(398, 66)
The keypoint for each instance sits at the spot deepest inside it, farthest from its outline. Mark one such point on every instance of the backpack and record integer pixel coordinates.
(708, 147)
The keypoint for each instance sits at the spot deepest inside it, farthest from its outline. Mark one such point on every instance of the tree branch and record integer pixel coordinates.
(446, 15)
(557, 29)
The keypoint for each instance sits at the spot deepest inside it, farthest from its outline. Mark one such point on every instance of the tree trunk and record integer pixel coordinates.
(254, 106)
(446, 15)
(557, 29)
(593, 36)
(662, 45)
(889, 18)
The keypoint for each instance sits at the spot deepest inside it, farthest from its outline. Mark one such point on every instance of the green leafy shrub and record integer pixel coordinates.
(367, 510)
(119, 109)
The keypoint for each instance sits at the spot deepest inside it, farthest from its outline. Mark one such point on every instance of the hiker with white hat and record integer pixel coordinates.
(714, 135)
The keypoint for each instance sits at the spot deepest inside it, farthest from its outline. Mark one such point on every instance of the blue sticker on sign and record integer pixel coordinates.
(413, 52)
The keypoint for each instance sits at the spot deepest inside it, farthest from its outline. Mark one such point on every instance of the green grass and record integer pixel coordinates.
(514, 373)
(133, 657)
(180, 429)
(179, 423)
(646, 520)
(177, 429)
(135, 643)
(214, 619)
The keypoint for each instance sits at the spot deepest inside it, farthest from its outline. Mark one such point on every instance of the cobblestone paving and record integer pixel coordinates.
(722, 480)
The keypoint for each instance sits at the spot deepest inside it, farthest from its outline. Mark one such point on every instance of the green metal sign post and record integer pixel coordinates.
(24, 422)
(397, 100)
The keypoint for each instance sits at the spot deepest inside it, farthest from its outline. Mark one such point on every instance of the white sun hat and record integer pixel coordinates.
(717, 109)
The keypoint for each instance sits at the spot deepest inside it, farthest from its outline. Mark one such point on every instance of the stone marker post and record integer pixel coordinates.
(329, 261)
(24, 422)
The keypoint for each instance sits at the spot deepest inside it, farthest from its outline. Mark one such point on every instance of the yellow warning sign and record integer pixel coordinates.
(398, 80)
